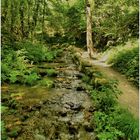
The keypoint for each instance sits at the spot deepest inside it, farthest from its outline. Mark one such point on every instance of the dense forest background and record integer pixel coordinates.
(114, 22)
(37, 31)
(57, 22)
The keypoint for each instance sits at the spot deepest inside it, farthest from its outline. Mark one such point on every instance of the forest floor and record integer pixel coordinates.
(130, 94)
(63, 112)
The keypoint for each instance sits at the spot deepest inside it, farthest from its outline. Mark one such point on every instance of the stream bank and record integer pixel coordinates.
(64, 112)
(79, 105)
(129, 98)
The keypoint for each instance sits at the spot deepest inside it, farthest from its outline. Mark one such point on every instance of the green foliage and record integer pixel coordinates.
(105, 128)
(115, 124)
(15, 62)
(46, 82)
(3, 131)
(51, 72)
(3, 108)
(50, 56)
(85, 78)
(13, 76)
(126, 123)
(126, 60)
(15, 67)
(110, 121)
(31, 78)
(35, 52)
(114, 21)
(105, 96)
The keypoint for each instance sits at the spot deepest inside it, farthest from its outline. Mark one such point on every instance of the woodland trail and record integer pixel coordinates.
(130, 94)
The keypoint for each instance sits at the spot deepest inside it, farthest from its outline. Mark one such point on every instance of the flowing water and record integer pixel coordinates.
(64, 112)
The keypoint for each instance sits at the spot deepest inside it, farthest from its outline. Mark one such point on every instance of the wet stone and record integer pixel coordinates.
(63, 113)
(73, 129)
(88, 127)
(80, 88)
(77, 107)
(44, 113)
(60, 112)
(91, 109)
(66, 106)
(79, 75)
(37, 113)
(70, 104)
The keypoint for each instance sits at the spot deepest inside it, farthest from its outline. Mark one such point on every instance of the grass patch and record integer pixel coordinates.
(126, 60)
(110, 121)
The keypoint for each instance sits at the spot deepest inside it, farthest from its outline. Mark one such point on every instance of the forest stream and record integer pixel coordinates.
(63, 112)
(69, 70)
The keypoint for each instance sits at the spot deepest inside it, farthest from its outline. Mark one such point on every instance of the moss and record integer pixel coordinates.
(15, 132)
(47, 82)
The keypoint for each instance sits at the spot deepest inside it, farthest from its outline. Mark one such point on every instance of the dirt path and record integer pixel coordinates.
(130, 97)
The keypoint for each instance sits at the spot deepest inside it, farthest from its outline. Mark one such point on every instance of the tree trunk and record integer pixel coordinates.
(12, 18)
(22, 18)
(43, 19)
(89, 30)
(35, 18)
(5, 11)
(12, 21)
(29, 22)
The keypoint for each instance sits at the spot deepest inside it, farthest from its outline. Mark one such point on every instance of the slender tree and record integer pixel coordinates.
(89, 29)
(21, 10)
(43, 18)
(35, 17)
(5, 11)
(29, 4)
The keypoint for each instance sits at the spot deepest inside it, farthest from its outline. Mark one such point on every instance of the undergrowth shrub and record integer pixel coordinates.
(46, 82)
(126, 123)
(126, 60)
(3, 131)
(110, 121)
(16, 59)
(31, 78)
(15, 69)
(105, 128)
(51, 72)
(4, 135)
(35, 52)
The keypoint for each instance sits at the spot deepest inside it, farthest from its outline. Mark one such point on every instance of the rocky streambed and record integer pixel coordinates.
(64, 112)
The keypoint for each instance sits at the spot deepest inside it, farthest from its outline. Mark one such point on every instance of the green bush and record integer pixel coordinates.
(15, 69)
(105, 96)
(35, 52)
(105, 128)
(126, 60)
(46, 82)
(117, 124)
(3, 131)
(126, 123)
(31, 78)
(85, 78)
(109, 120)
(51, 72)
